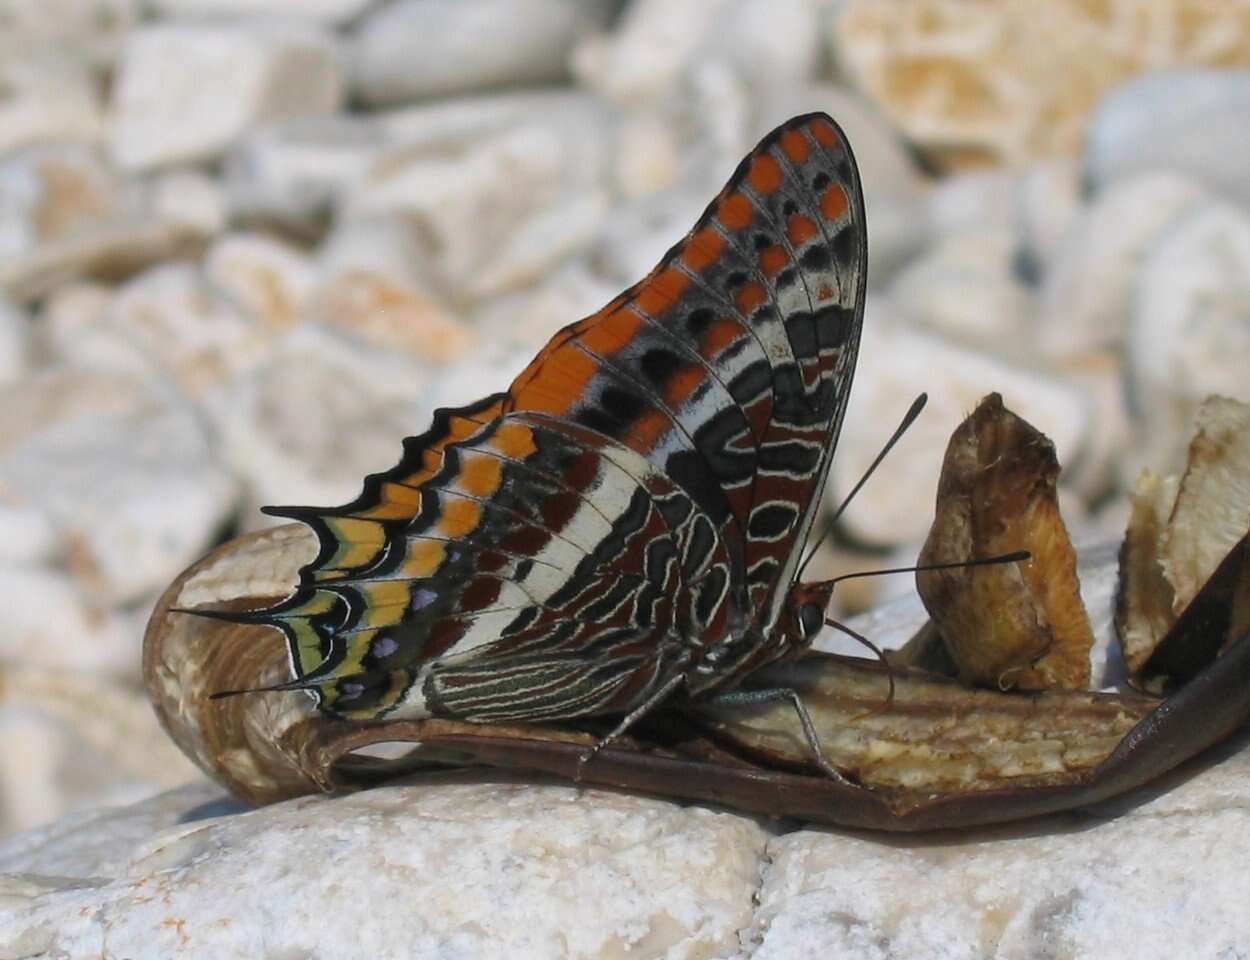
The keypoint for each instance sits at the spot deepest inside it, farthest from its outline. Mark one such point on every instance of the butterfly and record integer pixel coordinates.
(624, 524)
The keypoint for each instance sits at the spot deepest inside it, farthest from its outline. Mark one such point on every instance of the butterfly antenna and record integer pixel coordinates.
(1013, 557)
(908, 419)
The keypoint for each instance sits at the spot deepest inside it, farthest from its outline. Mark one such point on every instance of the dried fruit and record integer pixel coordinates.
(1021, 624)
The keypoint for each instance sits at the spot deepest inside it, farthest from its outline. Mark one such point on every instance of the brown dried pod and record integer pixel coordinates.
(1021, 624)
(1184, 574)
(939, 755)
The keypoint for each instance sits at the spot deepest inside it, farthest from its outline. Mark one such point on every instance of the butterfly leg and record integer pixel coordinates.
(663, 693)
(779, 694)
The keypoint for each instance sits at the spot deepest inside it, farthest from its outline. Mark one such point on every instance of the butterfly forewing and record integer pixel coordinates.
(631, 511)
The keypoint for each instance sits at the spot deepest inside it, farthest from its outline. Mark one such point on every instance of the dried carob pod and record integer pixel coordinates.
(1014, 625)
(939, 755)
(1185, 564)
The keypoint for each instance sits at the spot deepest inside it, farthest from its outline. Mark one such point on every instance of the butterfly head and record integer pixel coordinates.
(804, 614)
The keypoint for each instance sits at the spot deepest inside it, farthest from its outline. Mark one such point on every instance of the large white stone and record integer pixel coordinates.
(1086, 297)
(186, 91)
(416, 49)
(1160, 879)
(66, 214)
(45, 97)
(171, 321)
(466, 868)
(1195, 123)
(1190, 333)
(496, 200)
(655, 47)
(965, 288)
(14, 341)
(263, 277)
(330, 11)
(292, 172)
(453, 870)
(375, 286)
(86, 30)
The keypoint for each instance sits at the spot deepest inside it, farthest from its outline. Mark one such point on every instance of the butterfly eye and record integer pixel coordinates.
(810, 618)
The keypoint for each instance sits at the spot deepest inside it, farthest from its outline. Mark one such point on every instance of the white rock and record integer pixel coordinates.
(264, 278)
(47, 621)
(1077, 886)
(655, 50)
(168, 321)
(497, 206)
(27, 537)
(47, 97)
(316, 417)
(329, 11)
(1190, 332)
(121, 469)
(375, 287)
(972, 200)
(185, 92)
(769, 44)
(14, 341)
(1086, 297)
(189, 198)
(517, 867)
(1195, 123)
(73, 742)
(65, 214)
(100, 841)
(87, 30)
(1048, 204)
(965, 289)
(895, 364)
(292, 172)
(415, 49)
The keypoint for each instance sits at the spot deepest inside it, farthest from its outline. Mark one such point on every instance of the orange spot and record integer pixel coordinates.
(678, 390)
(514, 440)
(825, 292)
(765, 174)
(824, 133)
(423, 558)
(773, 260)
(481, 475)
(800, 229)
(612, 332)
(719, 336)
(647, 430)
(662, 291)
(795, 146)
(385, 601)
(750, 297)
(735, 212)
(459, 517)
(396, 501)
(558, 384)
(703, 249)
(833, 203)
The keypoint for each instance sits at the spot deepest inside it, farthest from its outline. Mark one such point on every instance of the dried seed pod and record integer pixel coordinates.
(938, 747)
(1184, 576)
(1010, 625)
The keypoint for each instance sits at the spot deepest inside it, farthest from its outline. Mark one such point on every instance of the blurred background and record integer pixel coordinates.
(246, 246)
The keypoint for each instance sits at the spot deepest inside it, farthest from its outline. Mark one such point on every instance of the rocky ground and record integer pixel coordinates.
(248, 245)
